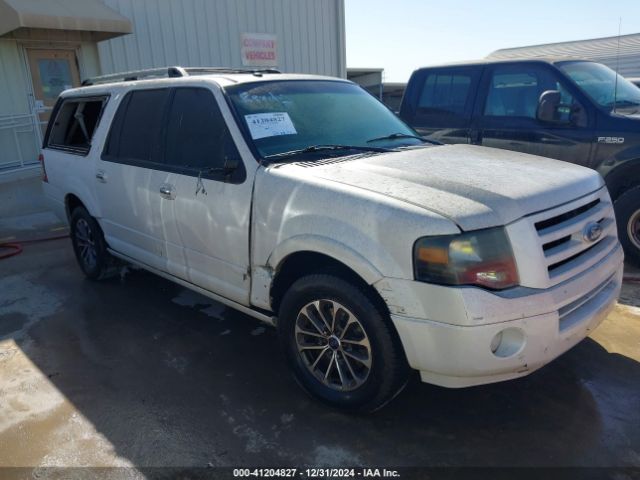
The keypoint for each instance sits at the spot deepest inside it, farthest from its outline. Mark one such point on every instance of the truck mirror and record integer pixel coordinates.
(548, 106)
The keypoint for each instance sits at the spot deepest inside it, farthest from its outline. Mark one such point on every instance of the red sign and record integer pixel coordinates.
(258, 49)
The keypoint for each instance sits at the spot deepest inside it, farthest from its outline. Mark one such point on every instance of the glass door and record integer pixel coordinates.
(52, 71)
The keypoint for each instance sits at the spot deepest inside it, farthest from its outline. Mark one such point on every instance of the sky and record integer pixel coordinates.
(401, 35)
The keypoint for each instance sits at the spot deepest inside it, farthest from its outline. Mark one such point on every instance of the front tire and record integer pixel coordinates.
(89, 245)
(341, 345)
(627, 208)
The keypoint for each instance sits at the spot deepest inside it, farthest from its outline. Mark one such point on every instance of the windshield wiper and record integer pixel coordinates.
(322, 148)
(394, 136)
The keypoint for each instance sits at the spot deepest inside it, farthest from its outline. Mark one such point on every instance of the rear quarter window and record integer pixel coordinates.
(444, 93)
(443, 97)
(74, 123)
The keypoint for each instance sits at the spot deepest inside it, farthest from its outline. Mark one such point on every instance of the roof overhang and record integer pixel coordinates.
(91, 16)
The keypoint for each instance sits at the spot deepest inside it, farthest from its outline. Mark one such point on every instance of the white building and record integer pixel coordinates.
(49, 45)
(621, 52)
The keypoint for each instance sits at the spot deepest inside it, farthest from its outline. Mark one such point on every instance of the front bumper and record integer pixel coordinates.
(447, 332)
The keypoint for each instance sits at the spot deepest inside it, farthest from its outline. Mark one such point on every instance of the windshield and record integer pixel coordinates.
(293, 115)
(599, 83)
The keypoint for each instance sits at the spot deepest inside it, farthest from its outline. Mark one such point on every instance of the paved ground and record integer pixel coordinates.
(137, 371)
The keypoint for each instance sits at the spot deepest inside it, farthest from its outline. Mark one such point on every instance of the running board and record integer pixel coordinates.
(271, 320)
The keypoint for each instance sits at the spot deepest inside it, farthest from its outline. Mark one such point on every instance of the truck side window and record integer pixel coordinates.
(135, 132)
(75, 122)
(514, 94)
(444, 94)
(514, 91)
(197, 134)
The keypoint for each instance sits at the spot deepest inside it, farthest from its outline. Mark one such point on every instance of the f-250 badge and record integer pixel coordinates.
(610, 139)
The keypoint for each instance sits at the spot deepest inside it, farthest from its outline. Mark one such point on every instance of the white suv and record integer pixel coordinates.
(304, 202)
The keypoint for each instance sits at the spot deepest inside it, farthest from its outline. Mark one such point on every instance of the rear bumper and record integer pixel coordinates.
(542, 325)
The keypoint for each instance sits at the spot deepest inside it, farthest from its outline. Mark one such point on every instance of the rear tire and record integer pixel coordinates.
(627, 208)
(89, 245)
(341, 346)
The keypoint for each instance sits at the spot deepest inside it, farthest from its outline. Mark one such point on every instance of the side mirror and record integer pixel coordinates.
(548, 106)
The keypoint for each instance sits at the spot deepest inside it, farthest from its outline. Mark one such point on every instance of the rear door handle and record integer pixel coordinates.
(167, 191)
(101, 176)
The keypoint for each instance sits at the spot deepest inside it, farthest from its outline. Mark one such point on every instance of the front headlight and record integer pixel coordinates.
(483, 258)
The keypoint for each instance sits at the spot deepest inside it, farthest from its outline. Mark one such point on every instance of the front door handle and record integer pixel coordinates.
(167, 191)
(101, 176)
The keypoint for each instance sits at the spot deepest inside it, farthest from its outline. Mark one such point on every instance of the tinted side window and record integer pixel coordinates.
(444, 93)
(197, 136)
(135, 132)
(514, 91)
(75, 122)
(514, 94)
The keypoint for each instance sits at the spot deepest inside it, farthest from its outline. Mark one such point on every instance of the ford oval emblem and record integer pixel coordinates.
(592, 232)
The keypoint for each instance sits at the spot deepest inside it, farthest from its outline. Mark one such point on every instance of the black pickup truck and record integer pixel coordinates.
(573, 110)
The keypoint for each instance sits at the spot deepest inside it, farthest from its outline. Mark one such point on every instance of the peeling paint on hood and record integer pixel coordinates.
(476, 187)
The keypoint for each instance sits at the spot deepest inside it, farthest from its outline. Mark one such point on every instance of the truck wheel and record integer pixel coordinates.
(627, 208)
(342, 348)
(89, 245)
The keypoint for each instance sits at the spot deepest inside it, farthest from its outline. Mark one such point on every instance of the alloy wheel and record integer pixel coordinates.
(333, 344)
(85, 243)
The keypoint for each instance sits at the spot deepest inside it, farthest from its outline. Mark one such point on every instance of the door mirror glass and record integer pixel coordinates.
(549, 107)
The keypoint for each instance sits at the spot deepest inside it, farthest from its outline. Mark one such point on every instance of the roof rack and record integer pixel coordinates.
(171, 72)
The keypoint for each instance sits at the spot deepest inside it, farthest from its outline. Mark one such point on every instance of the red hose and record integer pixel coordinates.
(15, 248)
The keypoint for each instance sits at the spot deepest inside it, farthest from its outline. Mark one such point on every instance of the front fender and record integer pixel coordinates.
(262, 276)
(327, 246)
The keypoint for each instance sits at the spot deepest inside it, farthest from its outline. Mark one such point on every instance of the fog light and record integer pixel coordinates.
(495, 343)
(507, 342)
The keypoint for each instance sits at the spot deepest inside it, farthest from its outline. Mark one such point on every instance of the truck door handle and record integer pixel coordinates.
(167, 191)
(100, 175)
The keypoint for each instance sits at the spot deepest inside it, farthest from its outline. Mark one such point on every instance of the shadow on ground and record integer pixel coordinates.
(171, 379)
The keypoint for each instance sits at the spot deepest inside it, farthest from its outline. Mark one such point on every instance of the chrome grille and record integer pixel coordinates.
(561, 232)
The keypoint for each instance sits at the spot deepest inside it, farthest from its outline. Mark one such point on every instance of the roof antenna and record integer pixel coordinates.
(615, 87)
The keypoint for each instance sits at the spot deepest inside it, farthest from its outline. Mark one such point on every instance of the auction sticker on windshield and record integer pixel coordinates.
(270, 124)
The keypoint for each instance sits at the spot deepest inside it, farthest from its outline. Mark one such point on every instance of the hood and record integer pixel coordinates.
(475, 187)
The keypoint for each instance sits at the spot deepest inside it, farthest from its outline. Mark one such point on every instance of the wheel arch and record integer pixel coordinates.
(71, 202)
(623, 177)
(300, 257)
